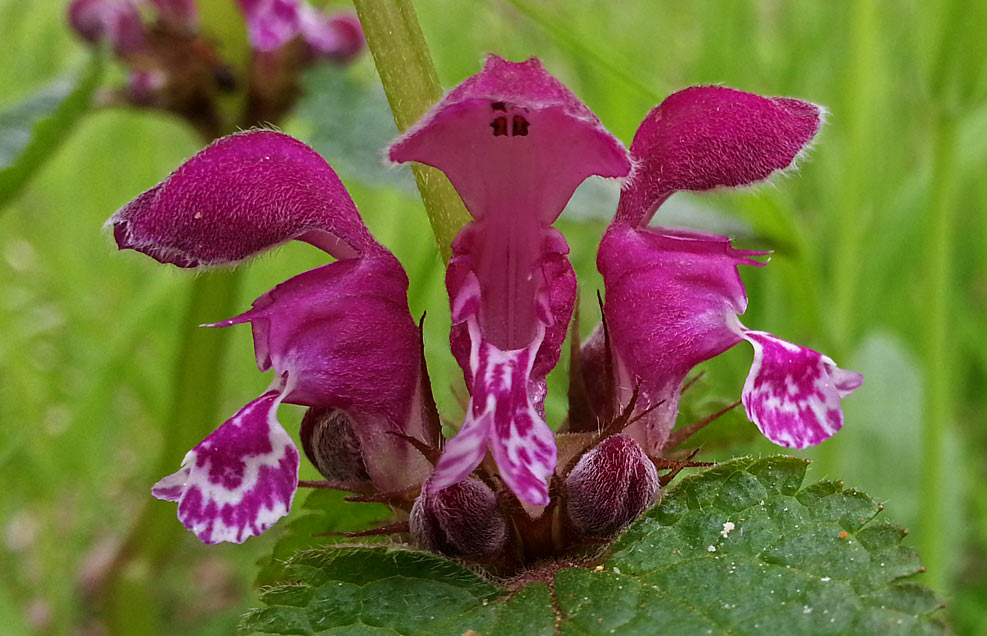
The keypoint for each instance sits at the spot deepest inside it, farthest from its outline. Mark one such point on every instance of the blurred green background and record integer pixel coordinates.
(880, 261)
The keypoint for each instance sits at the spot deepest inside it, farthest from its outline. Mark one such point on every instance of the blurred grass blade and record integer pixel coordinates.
(579, 49)
(31, 131)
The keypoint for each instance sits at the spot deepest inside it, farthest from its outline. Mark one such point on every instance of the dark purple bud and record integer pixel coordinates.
(610, 486)
(459, 521)
(331, 444)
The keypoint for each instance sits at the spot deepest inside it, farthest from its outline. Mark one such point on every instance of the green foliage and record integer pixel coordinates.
(742, 548)
(31, 130)
(323, 511)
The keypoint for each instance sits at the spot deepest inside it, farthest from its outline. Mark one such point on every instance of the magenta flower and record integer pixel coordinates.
(698, 139)
(320, 331)
(515, 143)
(273, 23)
(115, 21)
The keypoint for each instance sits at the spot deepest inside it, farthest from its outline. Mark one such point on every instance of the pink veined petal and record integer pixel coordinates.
(708, 137)
(793, 393)
(501, 417)
(344, 334)
(244, 194)
(240, 480)
(515, 143)
(670, 296)
(270, 23)
(338, 36)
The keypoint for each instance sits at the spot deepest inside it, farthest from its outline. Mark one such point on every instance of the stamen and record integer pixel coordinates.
(520, 128)
(499, 126)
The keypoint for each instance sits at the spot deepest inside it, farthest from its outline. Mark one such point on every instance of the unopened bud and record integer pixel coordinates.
(332, 445)
(610, 486)
(462, 520)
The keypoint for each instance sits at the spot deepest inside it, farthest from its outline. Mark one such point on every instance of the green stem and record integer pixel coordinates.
(938, 346)
(412, 86)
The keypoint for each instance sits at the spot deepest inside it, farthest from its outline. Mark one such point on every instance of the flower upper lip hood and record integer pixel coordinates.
(515, 143)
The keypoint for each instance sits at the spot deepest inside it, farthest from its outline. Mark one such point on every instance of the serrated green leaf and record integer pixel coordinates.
(323, 511)
(739, 549)
(31, 130)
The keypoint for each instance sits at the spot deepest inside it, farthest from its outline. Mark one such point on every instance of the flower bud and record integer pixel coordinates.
(462, 520)
(610, 486)
(332, 445)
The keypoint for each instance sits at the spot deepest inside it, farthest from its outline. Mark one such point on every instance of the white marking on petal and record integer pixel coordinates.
(793, 393)
(239, 480)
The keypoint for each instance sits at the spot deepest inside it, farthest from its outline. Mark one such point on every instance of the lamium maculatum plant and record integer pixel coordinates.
(340, 339)
(557, 521)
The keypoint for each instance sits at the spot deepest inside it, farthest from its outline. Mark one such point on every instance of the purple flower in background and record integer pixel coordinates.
(115, 21)
(515, 143)
(271, 24)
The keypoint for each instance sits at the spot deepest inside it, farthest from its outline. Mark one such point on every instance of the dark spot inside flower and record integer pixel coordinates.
(499, 126)
(520, 126)
(499, 106)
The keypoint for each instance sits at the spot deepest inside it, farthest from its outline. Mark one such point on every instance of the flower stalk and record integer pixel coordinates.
(412, 86)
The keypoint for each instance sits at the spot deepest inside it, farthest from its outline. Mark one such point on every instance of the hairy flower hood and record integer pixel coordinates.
(515, 143)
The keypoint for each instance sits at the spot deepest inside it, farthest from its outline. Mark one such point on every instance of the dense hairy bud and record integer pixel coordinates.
(610, 486)
(332, 446)
(459, 521)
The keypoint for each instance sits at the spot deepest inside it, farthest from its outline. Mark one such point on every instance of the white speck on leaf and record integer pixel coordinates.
(711, 548)
(728, 527)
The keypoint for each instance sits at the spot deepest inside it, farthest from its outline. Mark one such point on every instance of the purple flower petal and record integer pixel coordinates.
(672, 300)
(669, 295)
(707, 137)
(338, 36)
(515, 143)
(270, 23)
(239, 480)
(793, 393)
(343, 336)
(240, 196)
(501, 417)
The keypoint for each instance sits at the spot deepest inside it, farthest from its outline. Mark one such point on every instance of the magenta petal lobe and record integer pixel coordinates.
(501, 417)
(239, 480)
(793, 393)
(244, 194)
(708, 137)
